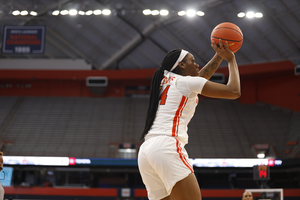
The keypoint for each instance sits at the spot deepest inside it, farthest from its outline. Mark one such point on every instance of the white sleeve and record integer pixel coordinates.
(190, 84)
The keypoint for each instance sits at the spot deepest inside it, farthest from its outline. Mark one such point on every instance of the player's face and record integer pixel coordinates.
(191, 68)
(247, 196)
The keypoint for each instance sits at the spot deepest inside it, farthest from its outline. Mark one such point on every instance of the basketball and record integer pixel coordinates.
(229, 32)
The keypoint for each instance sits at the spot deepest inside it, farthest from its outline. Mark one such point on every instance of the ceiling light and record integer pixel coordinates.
(33, 13)
(200, 13)
(154, 12)
(72, 12)
(191, 13)
(260, 155)
(89, 12)
(164, 12)
(147, 12)
(97, 12)
(24, 12)
(250, 14)
(258, 15)
(106, 12)
(55, 12)
(241, 15)
(64, 12)
(81, 12)
(181, 13)
(16, 12)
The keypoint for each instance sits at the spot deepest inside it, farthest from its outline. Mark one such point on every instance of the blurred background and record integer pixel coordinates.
(75, 81)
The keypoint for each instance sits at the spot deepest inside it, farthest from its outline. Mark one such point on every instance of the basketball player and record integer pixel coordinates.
(1, 167)
(163, 161)
(247, 196)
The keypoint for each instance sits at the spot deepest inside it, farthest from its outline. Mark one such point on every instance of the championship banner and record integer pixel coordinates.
(23, 39)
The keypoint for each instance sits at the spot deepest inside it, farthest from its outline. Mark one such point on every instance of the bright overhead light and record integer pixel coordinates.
(64, 12)
(260, 155)
(55, 12)
(250, 14)
(97, 12)
(81, 12)
(16, 12)
(73, 12)
(24, 12)
(258, 15)
(164, 12)
(200, 13)
(147, 12)
(89, 12)
(106, 12)
(182, 13)
(154, 12)
(33, 13)
(241, 15)
(191, 13)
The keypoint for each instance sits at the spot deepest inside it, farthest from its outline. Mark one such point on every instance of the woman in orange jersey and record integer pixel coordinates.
(163, 161)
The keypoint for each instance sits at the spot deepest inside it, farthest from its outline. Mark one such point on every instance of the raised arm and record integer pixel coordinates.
(209, 69)
(232, 89)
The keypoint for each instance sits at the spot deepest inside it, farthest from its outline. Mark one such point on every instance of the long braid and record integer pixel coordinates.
(167, 63)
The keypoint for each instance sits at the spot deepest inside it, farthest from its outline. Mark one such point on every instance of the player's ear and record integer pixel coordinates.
(181, 65)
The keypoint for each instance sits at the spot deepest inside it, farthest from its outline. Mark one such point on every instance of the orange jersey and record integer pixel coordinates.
(178, 100)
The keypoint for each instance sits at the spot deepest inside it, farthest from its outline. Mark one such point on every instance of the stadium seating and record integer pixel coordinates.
(86, 127)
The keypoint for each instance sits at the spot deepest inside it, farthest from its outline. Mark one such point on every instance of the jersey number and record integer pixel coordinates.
(163, 96)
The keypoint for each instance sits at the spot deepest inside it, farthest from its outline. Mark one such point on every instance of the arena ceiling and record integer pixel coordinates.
(128, 39)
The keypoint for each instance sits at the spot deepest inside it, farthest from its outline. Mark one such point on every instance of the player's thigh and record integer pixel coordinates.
(187, 188)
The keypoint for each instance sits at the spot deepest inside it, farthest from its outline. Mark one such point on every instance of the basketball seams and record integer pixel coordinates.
(226, 39)
(230, 29)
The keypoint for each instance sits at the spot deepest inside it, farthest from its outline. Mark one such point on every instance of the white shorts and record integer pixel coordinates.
(162, 162)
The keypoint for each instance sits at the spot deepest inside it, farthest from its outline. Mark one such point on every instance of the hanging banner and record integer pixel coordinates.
(23, 39)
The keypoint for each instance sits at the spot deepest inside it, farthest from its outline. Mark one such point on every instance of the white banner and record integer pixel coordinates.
(32, 160)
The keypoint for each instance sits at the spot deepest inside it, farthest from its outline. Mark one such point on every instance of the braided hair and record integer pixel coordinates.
(167, 63)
